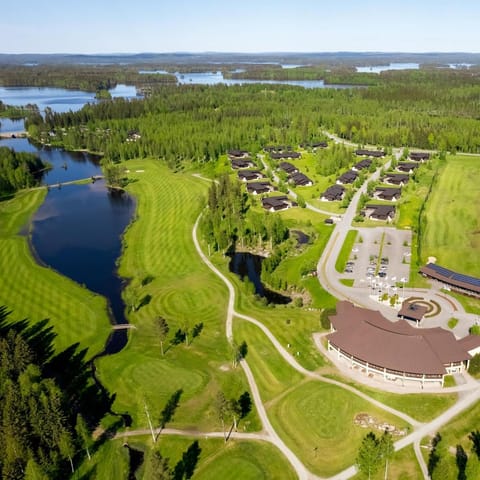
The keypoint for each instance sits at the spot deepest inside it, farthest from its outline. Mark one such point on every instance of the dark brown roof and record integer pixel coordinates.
(300, 179)
(362, 164)
(407, 166)
(419, 156)
(249, 174)
(412, 311)
(450, 277)
(348, 177)
(470, 342)
(259, 187)
(335, 192)
(279, 156)
(241, 162)
(397, 178)
(370, 153)
(237, 153)
(398, 346)
(381, 212)
(387, 193)
(288, 167)
(277, 203)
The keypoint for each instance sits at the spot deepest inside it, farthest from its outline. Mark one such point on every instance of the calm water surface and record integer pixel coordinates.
(77, 231)
(391, 66)
(248, 265)
(78, 165)
(214, 78)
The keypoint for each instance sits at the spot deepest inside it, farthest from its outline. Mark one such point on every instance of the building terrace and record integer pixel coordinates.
(395, 350)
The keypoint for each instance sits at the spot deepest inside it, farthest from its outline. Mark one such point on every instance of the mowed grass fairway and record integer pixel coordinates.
(315, 419)
(182, 290)
(35, 292)
(319, 415)
(452, 232)
(236, 459)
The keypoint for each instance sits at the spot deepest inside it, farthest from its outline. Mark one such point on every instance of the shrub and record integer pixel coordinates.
(324, 317)
(474, 367)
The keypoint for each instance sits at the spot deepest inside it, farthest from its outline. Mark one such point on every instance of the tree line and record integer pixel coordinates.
(78, 77)
(47, 403)
(229, 222)
(432, 110)
(18, 170)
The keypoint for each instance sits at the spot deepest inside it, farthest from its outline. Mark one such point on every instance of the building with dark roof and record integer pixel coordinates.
(347, 177)
(241, 163)
(397, 178)
(237, 153)
(389, 194)
(419, 156)
(394, 350)
(256, 188)
(333, 193)
(407, 167)
(274, 204)
(300, 180)
(288, 167)
(247, 175)
(412, 311)
(456, 281)
(362, 164)
(369, 153)
(286, 154)
(380, 212)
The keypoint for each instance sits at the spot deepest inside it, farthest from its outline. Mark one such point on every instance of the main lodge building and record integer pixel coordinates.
(397, 350)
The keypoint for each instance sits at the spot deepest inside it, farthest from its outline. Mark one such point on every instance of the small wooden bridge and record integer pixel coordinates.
(21, 134)
(123, 326)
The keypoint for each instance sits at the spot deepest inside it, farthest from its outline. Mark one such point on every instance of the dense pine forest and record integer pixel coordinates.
(432, 109)
(18, 170)
(47, 402)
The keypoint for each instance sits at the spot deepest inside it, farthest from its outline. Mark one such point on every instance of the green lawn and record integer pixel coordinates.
(345, 251)
(307, 414)
(109, 461)
(316, 421)
(248, 460)
(470, 304)
(159, 246)
(423, 407)
(32, 291)
(402, 466)
(452, 232)
(456, 433)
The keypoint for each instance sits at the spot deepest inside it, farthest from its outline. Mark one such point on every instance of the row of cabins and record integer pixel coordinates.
(392, 194)
(336, 192)
(396, 350)
(241, 161)
(298, 178)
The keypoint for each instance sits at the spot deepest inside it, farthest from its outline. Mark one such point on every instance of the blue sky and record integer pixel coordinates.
(103, 26)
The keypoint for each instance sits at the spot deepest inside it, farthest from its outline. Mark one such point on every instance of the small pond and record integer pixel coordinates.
(246, 264)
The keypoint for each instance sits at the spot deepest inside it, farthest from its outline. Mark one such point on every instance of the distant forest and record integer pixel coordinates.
(431, 109)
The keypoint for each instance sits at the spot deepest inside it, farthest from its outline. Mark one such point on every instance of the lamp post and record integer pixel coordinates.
(403, 280)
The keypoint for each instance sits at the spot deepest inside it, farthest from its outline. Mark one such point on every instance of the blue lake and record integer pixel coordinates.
(391, 66)
(66, 166)
(214, 78)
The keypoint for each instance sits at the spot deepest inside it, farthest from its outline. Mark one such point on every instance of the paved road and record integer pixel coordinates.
(300, 469)
(326, 272)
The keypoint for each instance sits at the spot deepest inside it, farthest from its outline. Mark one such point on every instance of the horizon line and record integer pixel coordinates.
(273, 52)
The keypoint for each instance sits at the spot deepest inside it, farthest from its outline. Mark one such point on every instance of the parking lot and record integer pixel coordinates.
(382, 254)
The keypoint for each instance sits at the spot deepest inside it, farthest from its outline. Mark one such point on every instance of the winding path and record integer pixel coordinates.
(326, 272)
